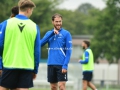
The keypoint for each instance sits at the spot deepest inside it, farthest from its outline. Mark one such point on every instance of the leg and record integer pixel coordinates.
(3, 88)
(25, 80)
(53, 86)
(22, 89)
(62, 85)
(52, 77)
(8, 79)
(85, 83)
(92, 86)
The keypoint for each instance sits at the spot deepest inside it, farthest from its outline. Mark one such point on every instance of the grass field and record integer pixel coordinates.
(39, 89)
(88, 89)
(112, 87)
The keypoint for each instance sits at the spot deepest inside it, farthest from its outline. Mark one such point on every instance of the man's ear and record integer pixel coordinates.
(28, 10)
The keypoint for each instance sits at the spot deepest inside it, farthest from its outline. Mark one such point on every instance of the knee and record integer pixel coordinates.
(61, 87)
(85, 87)
(53, 87)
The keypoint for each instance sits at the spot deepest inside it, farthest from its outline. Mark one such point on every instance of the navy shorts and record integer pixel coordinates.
(54, 74)
(16, 78)
(87, 76)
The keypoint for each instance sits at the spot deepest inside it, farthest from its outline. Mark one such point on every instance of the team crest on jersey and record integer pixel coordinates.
(60, 35)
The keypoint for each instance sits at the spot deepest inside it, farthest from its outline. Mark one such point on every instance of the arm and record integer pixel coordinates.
(1, 64)
(68, 50)
(0, 27)
(2, 36)
(86, 58)
(0, 56)
(37, 51)
(47, 36)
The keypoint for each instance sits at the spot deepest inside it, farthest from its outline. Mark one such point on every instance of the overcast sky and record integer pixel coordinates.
(73, 4)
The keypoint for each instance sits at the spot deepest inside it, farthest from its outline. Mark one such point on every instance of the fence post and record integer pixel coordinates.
(118, 72)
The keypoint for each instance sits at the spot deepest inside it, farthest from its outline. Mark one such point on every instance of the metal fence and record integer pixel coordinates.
(105, 76)
(74, 77)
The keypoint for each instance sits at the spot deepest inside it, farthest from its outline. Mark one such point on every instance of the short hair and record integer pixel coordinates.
(87, 43)
(15, 10)
(56, 15)
(24, 4)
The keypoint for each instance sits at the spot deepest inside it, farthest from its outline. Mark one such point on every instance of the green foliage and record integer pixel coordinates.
(5, 7)
(106, 39)
(88, 18)
(84, 8)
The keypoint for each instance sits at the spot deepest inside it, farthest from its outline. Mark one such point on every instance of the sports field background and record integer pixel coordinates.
(75, 77)
(79, 89)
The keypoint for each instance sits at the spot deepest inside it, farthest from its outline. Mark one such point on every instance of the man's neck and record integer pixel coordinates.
(86, 48)
(23, 13)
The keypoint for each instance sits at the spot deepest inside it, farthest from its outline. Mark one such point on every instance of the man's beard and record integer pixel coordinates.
(57, 26)
(83, 47)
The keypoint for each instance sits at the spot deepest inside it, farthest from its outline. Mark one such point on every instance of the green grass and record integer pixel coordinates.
(111, 87)
(39, 89)
(47, 88)
(88, 89)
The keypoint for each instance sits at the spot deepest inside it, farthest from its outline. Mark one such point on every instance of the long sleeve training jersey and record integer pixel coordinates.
(59, 47)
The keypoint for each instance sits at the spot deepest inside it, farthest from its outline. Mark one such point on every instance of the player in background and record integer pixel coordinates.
(87, 62)
(21, 54)
(59, 52)
(14, 11)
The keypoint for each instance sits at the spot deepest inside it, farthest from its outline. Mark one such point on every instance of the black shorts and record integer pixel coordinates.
(16, 78)
(54, 74)
(87, 76)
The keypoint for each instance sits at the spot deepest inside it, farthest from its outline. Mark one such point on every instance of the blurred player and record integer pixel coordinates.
(87, 65)
(14, 11)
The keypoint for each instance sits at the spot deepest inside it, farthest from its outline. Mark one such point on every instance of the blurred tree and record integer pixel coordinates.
(85, 8)
(88, 19)
(106, 39)
(5, 7)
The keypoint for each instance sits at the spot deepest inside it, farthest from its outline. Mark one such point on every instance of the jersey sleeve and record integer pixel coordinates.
(86, 58)
(1, 64)
(2, 36)
(47, 36)
(68, 49)
(37, 51)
